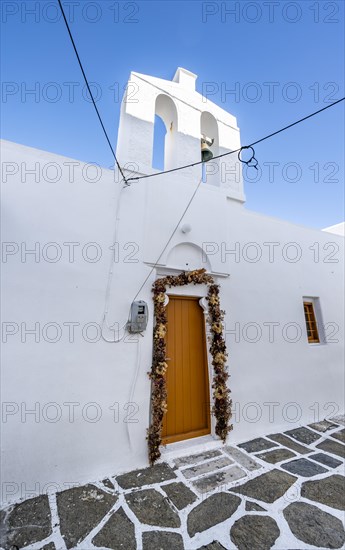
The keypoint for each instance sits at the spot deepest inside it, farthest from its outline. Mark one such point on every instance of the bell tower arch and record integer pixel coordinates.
(166, 109)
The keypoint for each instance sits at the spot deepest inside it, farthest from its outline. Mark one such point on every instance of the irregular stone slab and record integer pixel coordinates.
(276, 456)
(147, 476)
(323, 426)
(284, 440)
(258, 444)
(162, 540)
(179, 494)
(118, 532)
(242, 458)
(3, 528)
(49, 546)
(304, 467)
(27, 523)
(303, 435)
(253, 507)
(267, 487)
(80, 510)
(207, 467)
(332, 447)
(340, 419)
(313, 526)
(326, 460)
(152, 508)
(195, 459)
(220, 479)
(250, 532)
(215, 509)
(215, 545)
(339, 435)
(329, 490)
(107, 483)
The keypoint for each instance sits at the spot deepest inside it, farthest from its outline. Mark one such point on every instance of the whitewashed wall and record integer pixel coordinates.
(80, 390)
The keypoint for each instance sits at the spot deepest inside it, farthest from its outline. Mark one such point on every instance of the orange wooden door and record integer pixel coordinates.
(187, 374)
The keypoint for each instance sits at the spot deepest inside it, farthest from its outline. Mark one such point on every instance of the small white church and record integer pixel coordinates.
(156, 315)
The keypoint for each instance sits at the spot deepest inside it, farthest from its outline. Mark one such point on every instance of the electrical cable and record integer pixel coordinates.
(90, 92)
(224, 154)
(151, 270)
(110, 278)
(104, 318)
(169, 240)
(182, 167)
(134, 383)
(240, 148)
(297, 122)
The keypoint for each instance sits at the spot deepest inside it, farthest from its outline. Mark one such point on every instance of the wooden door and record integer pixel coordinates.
(187, 374)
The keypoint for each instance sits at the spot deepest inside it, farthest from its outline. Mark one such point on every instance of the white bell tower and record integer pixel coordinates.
(187, 115)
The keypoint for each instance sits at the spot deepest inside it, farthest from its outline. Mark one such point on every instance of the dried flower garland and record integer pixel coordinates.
(221, 393)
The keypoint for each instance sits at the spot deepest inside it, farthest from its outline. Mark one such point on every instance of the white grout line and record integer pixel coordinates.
(220, 531)
(57, 537)
(97, 528)
(138, 526)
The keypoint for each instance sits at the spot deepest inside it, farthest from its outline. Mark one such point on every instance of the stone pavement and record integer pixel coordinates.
(284, 491)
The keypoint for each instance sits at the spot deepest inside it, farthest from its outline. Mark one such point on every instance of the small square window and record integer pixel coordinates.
(310, 319)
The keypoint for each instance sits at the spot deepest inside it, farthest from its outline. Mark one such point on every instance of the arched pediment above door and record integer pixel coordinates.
(188, 256)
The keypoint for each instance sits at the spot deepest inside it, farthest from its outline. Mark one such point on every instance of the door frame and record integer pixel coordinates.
(208, 358)
(197, 283)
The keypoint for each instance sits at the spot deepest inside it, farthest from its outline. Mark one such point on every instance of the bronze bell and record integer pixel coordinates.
(206, 153)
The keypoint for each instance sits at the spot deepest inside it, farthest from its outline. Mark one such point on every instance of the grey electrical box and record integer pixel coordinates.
(139, 316)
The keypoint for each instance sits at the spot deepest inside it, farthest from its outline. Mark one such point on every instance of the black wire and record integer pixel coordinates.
(89, 90)
(297, 122)
(193, 195)
(244, 147)
(171, 236)
(180, 167)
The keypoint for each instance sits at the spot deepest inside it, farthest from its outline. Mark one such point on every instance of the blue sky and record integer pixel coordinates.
(282, 60)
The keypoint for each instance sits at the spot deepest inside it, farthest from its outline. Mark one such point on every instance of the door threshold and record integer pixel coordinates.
(189, 446)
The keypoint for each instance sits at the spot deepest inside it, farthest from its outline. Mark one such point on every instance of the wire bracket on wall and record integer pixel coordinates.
(252, 161)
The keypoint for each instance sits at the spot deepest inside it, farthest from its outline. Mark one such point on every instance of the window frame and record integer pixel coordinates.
(313, 333)
(321, 329)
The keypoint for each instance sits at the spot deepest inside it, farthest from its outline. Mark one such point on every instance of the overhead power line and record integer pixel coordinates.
(90, 92)
(240, 148)
(297, 122)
